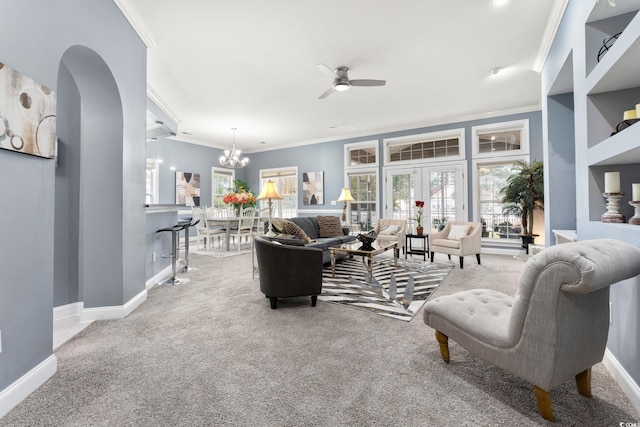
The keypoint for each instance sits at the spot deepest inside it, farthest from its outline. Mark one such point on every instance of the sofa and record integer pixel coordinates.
(320, 232)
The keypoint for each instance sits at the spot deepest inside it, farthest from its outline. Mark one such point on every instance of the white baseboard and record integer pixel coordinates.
(114, 312)
(27, 384)
(622, 378)
(70, 310)
(166, 272)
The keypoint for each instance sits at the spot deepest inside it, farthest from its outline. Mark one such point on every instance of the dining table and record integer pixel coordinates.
(227, 222)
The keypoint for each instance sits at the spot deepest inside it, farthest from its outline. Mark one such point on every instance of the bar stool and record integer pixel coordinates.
(186, 225)
(175, 231)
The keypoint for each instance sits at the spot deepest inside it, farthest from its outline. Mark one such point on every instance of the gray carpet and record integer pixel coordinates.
(212, 353)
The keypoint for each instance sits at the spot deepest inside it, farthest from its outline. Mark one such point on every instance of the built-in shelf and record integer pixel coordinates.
(611, 87)
(603, 230)
(619, 149)
(617, 69)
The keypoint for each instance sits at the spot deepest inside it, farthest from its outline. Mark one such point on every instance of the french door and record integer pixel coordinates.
(441, 187)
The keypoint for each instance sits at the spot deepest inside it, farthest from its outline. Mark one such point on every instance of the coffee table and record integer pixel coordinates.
(353, 248)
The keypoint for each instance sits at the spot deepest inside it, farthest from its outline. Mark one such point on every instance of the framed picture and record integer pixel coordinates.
(313, 188)
(188, 188)
(27, 115)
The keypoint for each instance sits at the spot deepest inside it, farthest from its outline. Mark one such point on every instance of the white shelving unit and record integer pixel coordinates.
(610, 87)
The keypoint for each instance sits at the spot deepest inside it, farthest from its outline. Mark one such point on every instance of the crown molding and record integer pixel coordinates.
(555, 17)
(153, 96)
(133, 16)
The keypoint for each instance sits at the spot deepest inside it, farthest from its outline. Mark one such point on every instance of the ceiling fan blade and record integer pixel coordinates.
(367, 82)
(328, 71)
(327, 93)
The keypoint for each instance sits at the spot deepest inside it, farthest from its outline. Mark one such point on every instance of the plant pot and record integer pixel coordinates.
(419, 230)
(526, 240)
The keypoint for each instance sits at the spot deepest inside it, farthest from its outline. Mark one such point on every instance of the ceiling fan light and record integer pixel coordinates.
(341, 87)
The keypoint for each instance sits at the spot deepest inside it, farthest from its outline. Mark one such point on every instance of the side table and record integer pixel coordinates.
(409, 250)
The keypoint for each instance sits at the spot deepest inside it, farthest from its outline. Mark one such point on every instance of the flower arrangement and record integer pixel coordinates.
(419, 207)
(241, 197)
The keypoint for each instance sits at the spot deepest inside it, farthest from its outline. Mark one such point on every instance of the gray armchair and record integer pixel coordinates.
(288, 271)
(556, 326)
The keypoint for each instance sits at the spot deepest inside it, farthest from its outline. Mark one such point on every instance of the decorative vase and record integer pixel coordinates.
(419, 230)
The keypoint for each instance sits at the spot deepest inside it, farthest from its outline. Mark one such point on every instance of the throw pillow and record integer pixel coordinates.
(277, 224)
(329, 226)
(391, 230)
(289, 227)
(458, 231)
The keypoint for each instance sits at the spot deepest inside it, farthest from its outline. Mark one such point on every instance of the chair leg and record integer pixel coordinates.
(461, 262)
(478, 258)
(583, 381)
(431, 256)
(314, 300)
(274, 302)
(449, 256)
(544, 403)
(443, 340)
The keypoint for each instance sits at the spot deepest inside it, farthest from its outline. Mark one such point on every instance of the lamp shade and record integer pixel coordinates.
(345, 196)
(269, 191)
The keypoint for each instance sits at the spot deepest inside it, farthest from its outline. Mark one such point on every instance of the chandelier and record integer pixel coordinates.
(231, 158)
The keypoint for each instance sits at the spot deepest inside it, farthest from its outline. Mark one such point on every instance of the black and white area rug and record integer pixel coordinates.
(350, 285)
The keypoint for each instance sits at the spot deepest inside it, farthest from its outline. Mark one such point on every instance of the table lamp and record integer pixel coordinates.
(345, 196)
(269, 192)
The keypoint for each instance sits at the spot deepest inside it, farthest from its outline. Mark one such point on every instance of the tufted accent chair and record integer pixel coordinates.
(556, 326)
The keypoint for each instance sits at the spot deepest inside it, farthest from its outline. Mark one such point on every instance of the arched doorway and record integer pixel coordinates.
(88, 261)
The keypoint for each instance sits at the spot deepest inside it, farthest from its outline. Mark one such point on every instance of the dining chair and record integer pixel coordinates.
(245, 226)
(204, 230)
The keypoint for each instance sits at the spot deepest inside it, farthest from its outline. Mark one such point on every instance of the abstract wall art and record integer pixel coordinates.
(27, 115)
(188, 188)
(313, 188)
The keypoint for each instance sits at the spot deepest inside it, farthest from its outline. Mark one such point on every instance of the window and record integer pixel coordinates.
(221, 184)
(364, 188)
(491, 179)
(361, 175)
(286, 180)
(361, 154)
(152, 173)
(497, 139)
(434, 146)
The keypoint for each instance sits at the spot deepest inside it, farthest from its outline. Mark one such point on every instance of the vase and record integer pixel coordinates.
(419, 230)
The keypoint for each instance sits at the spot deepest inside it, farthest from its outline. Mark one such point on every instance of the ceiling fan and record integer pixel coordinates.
(341, 80)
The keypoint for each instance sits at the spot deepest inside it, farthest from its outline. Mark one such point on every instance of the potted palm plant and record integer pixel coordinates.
(523, 194)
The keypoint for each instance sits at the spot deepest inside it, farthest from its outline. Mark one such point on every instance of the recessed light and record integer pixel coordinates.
(495, 71)
(498, 2)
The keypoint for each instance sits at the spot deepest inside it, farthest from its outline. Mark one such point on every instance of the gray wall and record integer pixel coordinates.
(327, 157)
(106, 207)
(560, 171)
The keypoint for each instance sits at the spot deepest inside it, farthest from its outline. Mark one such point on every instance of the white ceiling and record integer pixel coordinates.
(251, 64)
